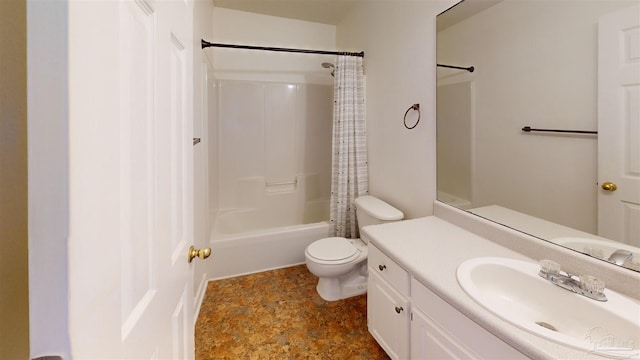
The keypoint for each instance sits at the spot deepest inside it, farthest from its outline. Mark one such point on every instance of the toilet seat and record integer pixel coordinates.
(334, 250)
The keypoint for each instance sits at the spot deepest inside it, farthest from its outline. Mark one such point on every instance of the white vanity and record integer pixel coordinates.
(418, 310)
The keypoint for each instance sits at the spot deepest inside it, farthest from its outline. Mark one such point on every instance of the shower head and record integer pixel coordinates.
(327, 65)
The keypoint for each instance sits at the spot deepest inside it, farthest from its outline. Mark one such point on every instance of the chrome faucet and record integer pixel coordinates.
(585, 285)
(620, 256)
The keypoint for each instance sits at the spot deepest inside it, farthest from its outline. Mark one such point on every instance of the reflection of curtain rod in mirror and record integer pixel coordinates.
(469, 69)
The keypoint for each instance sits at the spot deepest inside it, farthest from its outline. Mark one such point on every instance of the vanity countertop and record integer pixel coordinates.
(431, 249)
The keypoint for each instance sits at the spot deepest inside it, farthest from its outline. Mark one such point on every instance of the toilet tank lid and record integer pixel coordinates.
(378, 209)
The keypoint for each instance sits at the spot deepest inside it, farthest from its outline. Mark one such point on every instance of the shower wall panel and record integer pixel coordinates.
(275, 148)
(280, 122)
(315, 104)
(241, 136)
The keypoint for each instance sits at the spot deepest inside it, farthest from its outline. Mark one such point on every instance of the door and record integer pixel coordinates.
(131, 179)
(619, 126)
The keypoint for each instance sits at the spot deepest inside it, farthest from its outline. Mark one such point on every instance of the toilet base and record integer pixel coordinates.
(350, 285)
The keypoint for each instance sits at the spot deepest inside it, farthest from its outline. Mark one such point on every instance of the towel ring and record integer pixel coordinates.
(415, 107)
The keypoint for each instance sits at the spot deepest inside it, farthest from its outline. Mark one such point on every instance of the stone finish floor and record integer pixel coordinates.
(279, 315)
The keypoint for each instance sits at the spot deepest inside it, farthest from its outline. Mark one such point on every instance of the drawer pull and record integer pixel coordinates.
(399, 309)
(382, 267)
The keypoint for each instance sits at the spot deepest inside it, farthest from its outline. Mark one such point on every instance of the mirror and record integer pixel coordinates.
(535, 63)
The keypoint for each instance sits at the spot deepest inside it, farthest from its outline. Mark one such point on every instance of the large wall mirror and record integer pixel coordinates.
(568, 70)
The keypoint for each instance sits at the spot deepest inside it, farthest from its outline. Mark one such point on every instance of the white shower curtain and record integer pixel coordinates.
(349, 178)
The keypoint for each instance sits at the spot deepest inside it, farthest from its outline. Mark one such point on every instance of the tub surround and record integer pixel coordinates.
(431, 249)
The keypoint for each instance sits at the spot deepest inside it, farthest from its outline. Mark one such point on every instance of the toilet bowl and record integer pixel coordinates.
(341, 264)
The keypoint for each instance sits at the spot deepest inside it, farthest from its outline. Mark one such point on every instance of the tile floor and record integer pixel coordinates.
(278, 315)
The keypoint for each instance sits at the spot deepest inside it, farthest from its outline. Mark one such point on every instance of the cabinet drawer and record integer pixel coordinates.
(386, 268)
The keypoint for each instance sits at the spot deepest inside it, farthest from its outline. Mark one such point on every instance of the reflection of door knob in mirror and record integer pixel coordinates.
(609, 186)
(201, 253)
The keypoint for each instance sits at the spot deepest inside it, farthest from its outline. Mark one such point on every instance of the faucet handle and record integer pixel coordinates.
(549, 266)
(594, 252)
(592, 284)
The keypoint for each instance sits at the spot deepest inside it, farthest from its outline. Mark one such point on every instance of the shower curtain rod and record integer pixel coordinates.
(469, 69)
(206, 44)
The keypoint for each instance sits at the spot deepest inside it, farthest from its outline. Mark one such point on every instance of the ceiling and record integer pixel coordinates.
(449, 18)
(320, 11)
(331, 11)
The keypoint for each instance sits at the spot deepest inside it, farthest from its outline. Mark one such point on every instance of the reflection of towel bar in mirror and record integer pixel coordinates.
(530, 129)
(469, 69)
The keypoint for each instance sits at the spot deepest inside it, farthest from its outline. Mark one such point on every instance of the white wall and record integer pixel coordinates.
(454, 109)
(47, 39)
(542, 58)
(398, 41)
(243, 28)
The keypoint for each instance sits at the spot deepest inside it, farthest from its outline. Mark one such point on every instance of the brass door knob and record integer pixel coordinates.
(201, 253)
(609, 186)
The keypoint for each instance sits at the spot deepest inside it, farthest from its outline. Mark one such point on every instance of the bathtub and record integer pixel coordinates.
(245, 241)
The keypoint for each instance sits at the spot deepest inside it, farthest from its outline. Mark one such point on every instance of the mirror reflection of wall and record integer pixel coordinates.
(535, 64)
(454, 134)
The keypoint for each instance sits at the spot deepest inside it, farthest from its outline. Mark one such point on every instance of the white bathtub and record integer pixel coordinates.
(246, 241)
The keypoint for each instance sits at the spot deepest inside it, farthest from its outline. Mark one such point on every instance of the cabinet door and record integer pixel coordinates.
(446, 333)
(429, 341)
(388, 317)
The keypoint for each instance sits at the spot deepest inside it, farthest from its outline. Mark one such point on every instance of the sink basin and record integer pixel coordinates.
(512, 290)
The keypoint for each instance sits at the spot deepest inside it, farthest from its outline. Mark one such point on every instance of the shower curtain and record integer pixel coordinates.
(349, 178)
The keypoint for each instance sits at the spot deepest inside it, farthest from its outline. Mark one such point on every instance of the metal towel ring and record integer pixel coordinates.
(413, 107)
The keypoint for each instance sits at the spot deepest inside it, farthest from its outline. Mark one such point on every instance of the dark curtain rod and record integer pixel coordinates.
(469, 69)
(529, 129)
(206, 44)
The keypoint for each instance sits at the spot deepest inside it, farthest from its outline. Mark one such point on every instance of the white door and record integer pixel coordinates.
(131, 181)
(619, 126)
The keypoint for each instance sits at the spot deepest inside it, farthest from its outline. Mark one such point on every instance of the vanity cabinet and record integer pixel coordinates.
(388, 307)
(410, 321)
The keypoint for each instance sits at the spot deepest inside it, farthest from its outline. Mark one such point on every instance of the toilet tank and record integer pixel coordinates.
(370, 211)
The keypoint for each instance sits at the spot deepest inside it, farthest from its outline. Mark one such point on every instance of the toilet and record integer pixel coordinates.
(340, 263)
